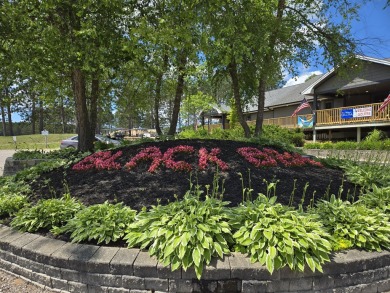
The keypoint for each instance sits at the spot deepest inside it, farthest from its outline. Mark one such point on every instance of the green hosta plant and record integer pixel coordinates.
(11, 203)
(46, 214)
(366, 174)
(102, 222)
(377, 198)
(362, 227)
(276, 235)
(183, 233)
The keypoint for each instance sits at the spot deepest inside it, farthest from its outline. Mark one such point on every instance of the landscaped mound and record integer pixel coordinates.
(153, 172)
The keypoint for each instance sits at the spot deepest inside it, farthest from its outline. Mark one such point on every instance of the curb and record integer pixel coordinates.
(68, 267)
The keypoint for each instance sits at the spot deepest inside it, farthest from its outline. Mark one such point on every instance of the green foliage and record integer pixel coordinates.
(288, 136)
(46, 214)
(31, 174)
(100, 145)
(11, 203)
(102, 222)
(377, 198)
(65, 154)
(355, 223)
(276, 235)
(375, 135)
(191, 134)
(374, 141)
(183, 233)
(366, 174)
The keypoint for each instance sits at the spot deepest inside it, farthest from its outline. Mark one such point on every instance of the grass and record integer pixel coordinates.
(32, 142)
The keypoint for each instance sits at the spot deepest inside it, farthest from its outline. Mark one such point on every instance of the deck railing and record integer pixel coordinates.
(336, 116)
(353, 115)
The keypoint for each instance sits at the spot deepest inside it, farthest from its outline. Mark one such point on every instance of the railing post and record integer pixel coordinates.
(314, 117)
(359, 134)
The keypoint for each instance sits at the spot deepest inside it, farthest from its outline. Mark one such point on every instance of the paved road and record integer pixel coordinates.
(3, 155)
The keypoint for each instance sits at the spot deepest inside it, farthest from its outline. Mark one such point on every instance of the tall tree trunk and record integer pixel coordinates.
(85, 143)
(260, 106)
(269, 66)
(157, 98)
(179, 94)
(41, 126)
(33, 114)
(9, 113)
(94, 106)
(3, 123)
(237, 99)
(63, 118)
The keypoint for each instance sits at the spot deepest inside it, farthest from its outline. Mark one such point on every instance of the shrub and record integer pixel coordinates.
(276, 235)
(377, 198)
(102, 222)
(375, 135)
(183, 233)
(355, 224)
(46, 214)
(11, 203)
(68, 154)
(366, 174)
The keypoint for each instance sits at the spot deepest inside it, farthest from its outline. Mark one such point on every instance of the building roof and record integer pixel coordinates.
(284, 96)
(310, 89)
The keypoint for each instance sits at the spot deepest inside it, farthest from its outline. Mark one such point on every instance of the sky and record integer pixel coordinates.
(374, 31)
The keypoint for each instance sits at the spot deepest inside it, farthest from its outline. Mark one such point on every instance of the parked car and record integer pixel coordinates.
(72, 142)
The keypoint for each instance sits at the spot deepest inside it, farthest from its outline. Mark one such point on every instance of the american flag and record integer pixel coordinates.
(384, 104)
(304, 104)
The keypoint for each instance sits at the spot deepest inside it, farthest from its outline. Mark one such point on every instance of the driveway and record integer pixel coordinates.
(3, 155)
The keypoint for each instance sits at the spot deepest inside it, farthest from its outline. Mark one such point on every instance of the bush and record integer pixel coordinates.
(65, 154)
(366, 174)
(46, 214)
(102, 222)
(276, 236)
(183, 233)
(10, 204)
(354, 224)
(377, 198)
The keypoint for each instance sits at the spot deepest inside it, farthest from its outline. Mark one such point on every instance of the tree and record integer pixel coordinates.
(253, 41)
(81, 40)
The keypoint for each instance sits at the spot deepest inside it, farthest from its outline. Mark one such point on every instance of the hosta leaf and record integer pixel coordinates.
(310, 262)
(196, 256)
(168, 250)
(182, 251)
(198, 271)
(269, 263)
(272, 252)
(361, 238)
(218, 249)
(268, 234)
(199, 235)
(176, 263)
(207, 256)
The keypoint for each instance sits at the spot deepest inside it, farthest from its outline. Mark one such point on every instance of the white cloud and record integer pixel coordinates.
(301, 79)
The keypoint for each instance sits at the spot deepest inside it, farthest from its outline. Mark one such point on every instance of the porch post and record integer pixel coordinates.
(314, 117)
(359, 134)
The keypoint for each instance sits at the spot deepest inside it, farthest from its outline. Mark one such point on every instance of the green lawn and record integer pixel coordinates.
(32, 142)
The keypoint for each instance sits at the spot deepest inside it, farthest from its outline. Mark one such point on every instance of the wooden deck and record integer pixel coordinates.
(336, 117)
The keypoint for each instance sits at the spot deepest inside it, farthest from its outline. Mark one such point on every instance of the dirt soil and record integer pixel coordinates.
(139, 188)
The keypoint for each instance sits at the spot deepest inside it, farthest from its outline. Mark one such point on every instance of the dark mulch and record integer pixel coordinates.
(139, 188)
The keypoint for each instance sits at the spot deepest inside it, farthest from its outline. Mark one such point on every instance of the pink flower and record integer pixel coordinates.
(150, 153)
(99, 161)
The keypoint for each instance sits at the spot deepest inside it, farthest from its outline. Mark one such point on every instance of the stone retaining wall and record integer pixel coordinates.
(68, 267)
(11, 166)
(356, 155)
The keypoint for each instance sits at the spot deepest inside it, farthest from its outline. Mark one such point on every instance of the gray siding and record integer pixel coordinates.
(370, 73)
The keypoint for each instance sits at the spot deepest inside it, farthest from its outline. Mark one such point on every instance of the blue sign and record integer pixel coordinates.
(346, 113)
